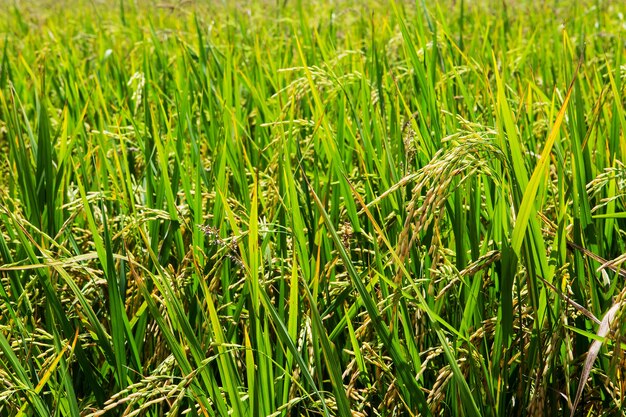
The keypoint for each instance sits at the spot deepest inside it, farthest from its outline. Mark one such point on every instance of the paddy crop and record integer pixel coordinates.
(337, 208)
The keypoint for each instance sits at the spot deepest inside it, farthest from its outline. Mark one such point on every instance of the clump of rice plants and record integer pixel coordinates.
(337, 208)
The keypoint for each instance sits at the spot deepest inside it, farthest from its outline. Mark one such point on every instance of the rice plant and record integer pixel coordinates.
(337, 208)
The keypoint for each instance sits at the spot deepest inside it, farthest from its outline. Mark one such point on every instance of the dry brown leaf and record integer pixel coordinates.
(594, 350)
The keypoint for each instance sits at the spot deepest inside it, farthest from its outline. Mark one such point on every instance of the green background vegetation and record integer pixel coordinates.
(312, 208)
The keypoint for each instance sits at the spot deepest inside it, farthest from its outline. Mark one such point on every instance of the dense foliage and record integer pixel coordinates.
(379, 208)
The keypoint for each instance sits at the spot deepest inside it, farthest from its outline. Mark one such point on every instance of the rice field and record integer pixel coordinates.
(312, 208)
